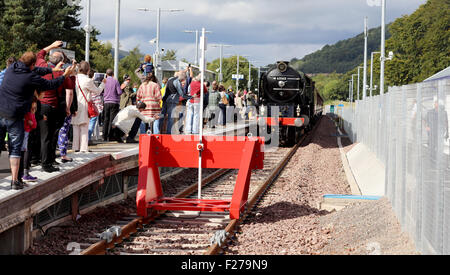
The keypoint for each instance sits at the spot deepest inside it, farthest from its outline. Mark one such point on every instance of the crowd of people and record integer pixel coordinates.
(48, 100)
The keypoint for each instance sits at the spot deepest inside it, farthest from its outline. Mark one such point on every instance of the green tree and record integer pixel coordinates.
(130, 63)
(170, 55)
(229, 67)
(421, 43)
(100, 56)
(35, 24)
(340, 57)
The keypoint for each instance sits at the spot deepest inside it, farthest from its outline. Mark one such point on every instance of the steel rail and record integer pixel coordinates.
(101, 247)
(233, 224)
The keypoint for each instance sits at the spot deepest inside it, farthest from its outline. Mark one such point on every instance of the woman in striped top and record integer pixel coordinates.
(150, 93)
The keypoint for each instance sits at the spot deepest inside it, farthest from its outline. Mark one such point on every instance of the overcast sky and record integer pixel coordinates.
(266, 30)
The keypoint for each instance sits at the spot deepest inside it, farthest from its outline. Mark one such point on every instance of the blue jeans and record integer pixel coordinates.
(15, 135)
(92, 123)
(157, 127)
(142, 128)
(192, 117)
(168, 109)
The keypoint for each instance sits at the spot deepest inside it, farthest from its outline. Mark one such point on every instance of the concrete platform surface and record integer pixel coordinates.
(115, 150)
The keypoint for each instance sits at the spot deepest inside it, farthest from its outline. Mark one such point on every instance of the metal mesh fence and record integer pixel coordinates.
(407, 129)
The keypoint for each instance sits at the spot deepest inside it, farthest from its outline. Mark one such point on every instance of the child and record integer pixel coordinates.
(147, 67)
(25, 160)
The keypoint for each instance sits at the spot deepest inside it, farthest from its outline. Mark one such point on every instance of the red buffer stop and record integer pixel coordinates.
(220, 152)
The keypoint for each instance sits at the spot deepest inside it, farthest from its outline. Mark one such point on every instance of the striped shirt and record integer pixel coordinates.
(150, 94)
(98, 101)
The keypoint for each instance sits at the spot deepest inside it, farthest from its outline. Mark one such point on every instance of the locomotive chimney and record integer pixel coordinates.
(282, 66)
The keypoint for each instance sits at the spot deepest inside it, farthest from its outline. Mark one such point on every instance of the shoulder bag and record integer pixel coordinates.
(92, 109)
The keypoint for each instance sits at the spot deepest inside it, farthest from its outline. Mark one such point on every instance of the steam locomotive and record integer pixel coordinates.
(289, 103)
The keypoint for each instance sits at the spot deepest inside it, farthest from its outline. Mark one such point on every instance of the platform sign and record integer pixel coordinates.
(235, 76)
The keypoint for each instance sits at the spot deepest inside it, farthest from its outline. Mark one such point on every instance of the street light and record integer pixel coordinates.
(365, 58)
(371, 72)
(221, 46)
(382, 59)
(359, 67)
(250, 73)
(237, 71)
(158, 23)
(196, 44)
(352, 87)
(349, 90)
(116, 51)
(87, 28)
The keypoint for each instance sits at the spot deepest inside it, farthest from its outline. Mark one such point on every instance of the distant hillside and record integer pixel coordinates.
(340, 57)
(122, 53)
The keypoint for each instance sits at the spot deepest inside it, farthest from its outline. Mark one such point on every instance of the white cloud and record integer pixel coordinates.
(271, 29)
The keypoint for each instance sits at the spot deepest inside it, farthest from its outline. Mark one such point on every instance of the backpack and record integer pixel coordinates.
(225, 99)
(231, 99)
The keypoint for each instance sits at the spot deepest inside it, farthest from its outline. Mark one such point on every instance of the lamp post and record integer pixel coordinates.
(197, 62)
(349, 90)
(382, 58)
(158, 27)
(250, 73)
(221, 46)
(353, 85)
(237, 71)
(196, 45)
(200, 145)
(116, 50)
(359, 67)
(365, 58)
(371, 72)
(88, 30)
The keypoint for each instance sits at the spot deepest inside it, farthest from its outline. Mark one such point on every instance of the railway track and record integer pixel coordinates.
(187, 232)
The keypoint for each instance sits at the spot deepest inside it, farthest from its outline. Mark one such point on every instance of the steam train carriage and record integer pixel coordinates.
(293, 96)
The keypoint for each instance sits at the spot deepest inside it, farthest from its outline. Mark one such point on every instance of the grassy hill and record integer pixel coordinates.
(340, 57)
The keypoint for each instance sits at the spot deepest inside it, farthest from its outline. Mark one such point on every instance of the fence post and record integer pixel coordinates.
(418, 166)
(403, 161)
(441, 165)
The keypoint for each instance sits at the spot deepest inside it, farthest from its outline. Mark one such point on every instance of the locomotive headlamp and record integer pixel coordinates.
(282, 67)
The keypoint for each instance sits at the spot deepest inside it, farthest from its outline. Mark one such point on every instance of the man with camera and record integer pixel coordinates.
(50, 116)
(21, 80)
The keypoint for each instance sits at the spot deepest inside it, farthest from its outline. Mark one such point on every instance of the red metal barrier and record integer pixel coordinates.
(155, 151)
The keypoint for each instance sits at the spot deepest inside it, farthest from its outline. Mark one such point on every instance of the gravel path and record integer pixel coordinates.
(287, 221)
(366, 228)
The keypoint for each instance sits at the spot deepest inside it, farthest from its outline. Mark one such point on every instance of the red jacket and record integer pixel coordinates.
(196, 90)
(30, 117)
(50, 97)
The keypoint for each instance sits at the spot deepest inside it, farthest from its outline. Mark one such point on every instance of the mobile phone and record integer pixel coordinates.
(66, 65)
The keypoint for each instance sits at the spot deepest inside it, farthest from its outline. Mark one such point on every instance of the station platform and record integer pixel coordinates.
(106, 160)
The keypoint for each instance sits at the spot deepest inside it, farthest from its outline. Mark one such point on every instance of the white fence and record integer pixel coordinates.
(407, 129)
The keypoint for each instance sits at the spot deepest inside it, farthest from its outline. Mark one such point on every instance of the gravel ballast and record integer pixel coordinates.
(288, 222)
